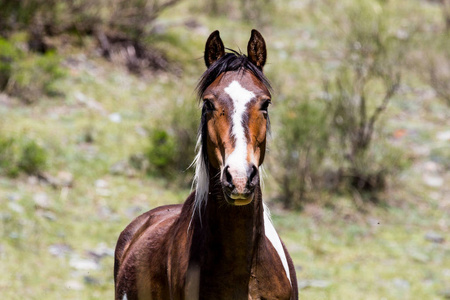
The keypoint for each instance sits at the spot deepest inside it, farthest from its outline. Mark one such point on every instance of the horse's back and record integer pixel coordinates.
(132, 244)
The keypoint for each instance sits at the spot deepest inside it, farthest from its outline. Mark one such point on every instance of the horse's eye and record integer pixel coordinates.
(209, 105)
(265, 105)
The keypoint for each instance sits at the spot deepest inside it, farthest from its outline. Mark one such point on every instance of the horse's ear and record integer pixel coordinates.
(214, 48)
(256, 49)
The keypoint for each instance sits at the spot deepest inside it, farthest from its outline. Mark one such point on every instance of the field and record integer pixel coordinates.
(58, 233)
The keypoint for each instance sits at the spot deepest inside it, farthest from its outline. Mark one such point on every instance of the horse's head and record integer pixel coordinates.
(236, 97)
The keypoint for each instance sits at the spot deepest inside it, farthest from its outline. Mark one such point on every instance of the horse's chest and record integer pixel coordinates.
(268, 279)
(263, 288)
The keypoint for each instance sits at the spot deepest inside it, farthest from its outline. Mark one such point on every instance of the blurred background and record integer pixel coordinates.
(98, 123)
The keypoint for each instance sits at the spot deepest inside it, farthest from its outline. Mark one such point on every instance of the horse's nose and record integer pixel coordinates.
(240, 182)
(253, 177)
(228, 179)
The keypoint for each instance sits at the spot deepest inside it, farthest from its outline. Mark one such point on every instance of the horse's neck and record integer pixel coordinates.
(227, 238)
(234, 229)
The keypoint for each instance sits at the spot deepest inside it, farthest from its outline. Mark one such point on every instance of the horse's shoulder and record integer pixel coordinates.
(274, 271)
(140, 225)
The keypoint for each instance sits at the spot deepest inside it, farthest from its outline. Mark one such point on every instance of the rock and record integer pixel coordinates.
(104, 211)
(101, 251)
(89, 102)
(101, 187)
(446, 272)
(141, 131)
(16, 207)
(119, 168)
(443, 135)
(74, 285)
(48, 215)
(41, 200)
(434, 237)
(32, 180)
(14, 235)
(115, 118)
(100, 183)
(133, 211)
(401, 283)
(65, 179)
(431, 167)
(13, 197)
(83, 264)
(302, 284)
(91, 280)
(419, 256)
(433, 180)
(59, 250)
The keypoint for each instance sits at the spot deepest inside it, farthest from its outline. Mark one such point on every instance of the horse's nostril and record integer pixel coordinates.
(252, 178)
(228, 177)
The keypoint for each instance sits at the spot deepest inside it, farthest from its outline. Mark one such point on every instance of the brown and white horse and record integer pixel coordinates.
(219, 244)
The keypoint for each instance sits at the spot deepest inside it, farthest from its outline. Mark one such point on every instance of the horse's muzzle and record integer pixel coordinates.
(238, 189)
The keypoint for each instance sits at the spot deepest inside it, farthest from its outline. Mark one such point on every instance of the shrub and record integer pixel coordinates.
(300, 146)
(33, 158)
(439, 67)
(121, 27)
(338, 142)
(9, 55)
(172, 142)
(8, 157)
(35, 76)
(21, 155)
(161, 152)
(28, 76)
(360, 92)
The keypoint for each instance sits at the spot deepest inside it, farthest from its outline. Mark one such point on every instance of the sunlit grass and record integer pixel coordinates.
(339, 251)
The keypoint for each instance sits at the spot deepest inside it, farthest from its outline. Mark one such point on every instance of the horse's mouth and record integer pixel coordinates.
(238, 199)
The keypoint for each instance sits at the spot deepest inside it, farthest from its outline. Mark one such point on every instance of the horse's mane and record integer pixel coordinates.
(231, 61)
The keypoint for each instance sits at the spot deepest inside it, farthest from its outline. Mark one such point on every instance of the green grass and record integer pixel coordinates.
(339, 251)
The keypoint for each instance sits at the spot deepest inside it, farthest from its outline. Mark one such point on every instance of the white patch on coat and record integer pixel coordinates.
(240, 96)
(125, 297)
(273, 237)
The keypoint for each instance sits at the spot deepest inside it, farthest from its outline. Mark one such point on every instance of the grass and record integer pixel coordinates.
(339, 251)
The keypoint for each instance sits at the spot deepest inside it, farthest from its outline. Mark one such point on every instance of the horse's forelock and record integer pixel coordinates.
(232, 61)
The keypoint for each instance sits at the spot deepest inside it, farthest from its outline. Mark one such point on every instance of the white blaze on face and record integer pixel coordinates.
(237, 161)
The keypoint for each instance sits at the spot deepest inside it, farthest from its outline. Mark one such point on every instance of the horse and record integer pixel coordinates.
(219, 244)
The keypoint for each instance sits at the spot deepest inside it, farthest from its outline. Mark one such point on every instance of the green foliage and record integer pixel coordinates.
(21, 155)
(36, 75)
(300, 146)
(8, 157)
(28, 76)
(33, 158)
(9, 55)
(359, 94)
(338, 141)
(438, 66)
(172, 142)
(161, 152)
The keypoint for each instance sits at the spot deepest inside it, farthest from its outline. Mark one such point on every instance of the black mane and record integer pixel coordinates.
(232, 61)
